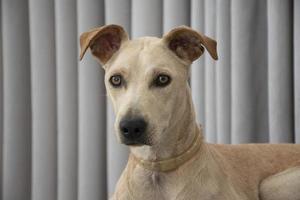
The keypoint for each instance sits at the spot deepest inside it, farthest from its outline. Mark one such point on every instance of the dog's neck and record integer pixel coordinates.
(180, 149)
(172, 163)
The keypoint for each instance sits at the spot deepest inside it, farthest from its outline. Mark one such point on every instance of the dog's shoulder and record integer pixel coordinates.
(262, 148)
(282, 154)
(249, 164)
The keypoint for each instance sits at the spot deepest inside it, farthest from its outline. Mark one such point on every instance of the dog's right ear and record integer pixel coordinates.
(103, 41)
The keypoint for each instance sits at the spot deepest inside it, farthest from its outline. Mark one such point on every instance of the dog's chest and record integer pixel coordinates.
(168, 186)
(146, 185)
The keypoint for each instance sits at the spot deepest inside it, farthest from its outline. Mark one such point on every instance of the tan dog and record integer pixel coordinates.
(147, 80)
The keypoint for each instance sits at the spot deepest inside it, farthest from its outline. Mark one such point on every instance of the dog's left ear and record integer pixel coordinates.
(103, 41)
(188, 44)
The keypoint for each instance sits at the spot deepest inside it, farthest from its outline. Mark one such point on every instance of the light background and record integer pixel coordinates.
(56, 124)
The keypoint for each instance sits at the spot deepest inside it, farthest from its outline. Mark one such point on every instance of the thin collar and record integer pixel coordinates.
(173, 163)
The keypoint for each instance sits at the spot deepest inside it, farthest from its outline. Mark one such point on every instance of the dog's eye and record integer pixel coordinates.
(162, 80)
(116, 80)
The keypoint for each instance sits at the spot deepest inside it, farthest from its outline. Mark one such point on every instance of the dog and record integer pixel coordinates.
(147, 81)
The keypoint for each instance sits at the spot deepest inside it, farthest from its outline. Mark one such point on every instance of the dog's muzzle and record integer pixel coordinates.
(133, 131)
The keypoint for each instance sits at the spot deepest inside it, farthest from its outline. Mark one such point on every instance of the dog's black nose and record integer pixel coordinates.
(133, 128)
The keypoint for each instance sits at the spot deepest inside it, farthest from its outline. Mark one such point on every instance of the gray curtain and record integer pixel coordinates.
(56, 123)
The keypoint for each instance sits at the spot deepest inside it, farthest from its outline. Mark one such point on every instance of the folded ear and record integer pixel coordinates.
(103, 41)
(188, 44)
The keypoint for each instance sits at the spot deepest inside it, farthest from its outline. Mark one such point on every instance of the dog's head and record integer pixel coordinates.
(146, 78)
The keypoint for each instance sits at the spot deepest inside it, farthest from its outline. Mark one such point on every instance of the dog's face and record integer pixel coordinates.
(145, 84)
(146, 78)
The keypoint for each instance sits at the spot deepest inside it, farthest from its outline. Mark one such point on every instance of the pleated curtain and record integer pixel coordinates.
(56, 122)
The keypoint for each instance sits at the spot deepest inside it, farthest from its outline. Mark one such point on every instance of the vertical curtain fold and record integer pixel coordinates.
(245, 32)
(210, 74)
(143, 21)
(280, 68)
(198, 69)
(175, 13)
(223, 69)
(67, 98)
(17, 99)
(43, 87)
(260, 73)
(1, 104)
(92, 111)
(296, 69)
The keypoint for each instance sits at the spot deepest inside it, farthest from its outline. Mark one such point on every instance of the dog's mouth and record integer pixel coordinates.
(134, 144)
(138, 142)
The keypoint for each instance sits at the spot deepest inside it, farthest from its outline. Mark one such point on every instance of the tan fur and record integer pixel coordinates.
(274, 187)
(216, 172)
